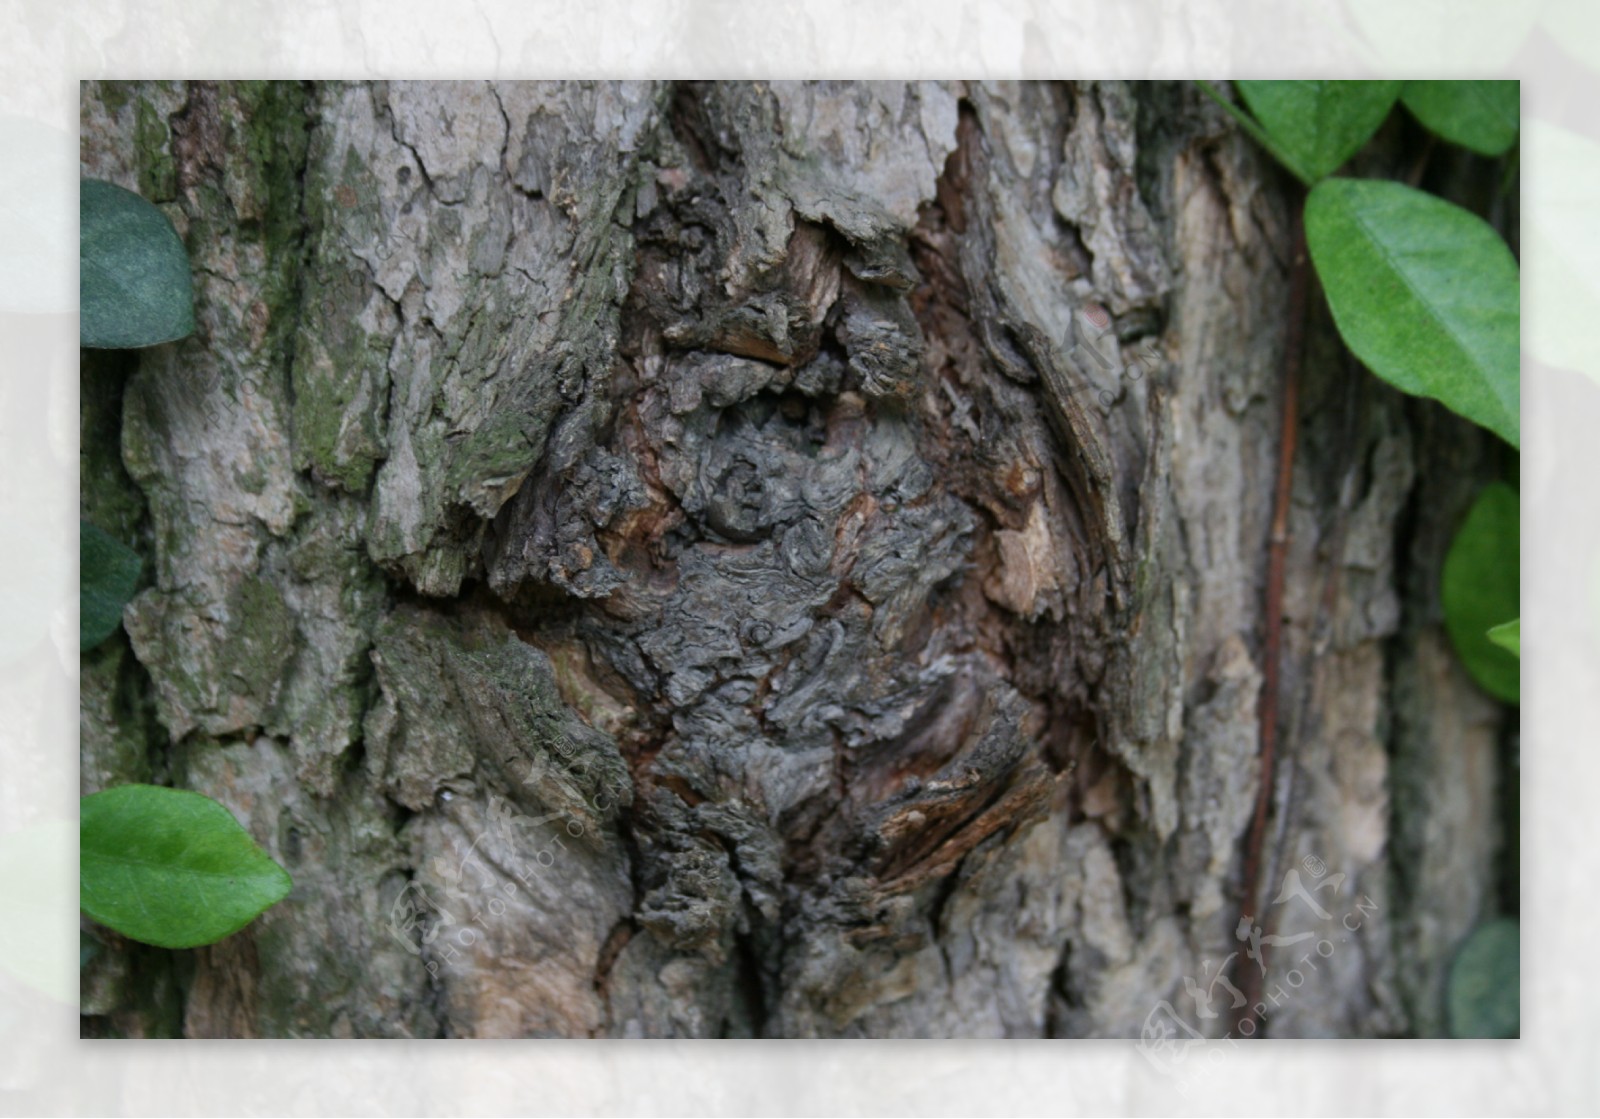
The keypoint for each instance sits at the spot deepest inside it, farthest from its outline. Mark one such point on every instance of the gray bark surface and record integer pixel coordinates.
(649, 561)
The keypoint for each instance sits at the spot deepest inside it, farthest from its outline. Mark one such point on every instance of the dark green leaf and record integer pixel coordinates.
(1425, 293)
(108, 571)
(1482, 116)
(1315, 126)
(1485, 995)
(171, 868)
(1481, 575)
(134, 287)
(1509, 637)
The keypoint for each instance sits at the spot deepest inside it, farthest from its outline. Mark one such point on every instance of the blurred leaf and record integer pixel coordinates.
(171, 868)
(108, 572)
(1485, 993)
(1575, 24)
(1315, 126)
(1561, 246)
(1480, 587)
(36, 881)
(1425, 293)
(1509, 637)
(1482, 116)
(134, 286)
(34, 588)
(1431, 36)
(35, 224)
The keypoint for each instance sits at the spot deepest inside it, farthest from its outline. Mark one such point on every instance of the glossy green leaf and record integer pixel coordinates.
(1485, 993)
(108, 572)
(1313, 127)
(1483, 116)
(1423, 292)
(1509, 637)
(1480, 588)
(171, 868)
(134, 286)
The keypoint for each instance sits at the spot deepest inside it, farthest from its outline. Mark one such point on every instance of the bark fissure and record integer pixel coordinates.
(763, 559)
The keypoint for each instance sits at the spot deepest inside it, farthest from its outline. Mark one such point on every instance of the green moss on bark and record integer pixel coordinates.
(263, 639)
(158, 173)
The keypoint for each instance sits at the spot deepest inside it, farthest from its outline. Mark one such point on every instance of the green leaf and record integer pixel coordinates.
(1423, 292)
(1485, 993)
(1315, 126)
(134, 287)
(1481, 575)
(1509, 637)
(108, 571)
(171, 868)
(1482, 116)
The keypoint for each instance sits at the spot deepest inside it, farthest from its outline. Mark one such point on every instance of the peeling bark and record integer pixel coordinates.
(765, 559)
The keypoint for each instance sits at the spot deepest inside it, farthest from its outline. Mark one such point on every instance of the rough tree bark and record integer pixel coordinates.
(659, 560)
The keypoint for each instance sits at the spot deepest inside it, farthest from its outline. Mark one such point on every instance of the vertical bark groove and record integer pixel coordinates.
(766, 559)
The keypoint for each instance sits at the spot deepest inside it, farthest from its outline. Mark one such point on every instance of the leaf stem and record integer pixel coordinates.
(1256, 132)
(1277, 558)
(1414, 179)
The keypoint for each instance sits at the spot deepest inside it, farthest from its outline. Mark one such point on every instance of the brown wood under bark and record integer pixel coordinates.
(770, 559)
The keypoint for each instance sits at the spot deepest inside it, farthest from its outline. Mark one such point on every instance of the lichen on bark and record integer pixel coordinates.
(657, 559)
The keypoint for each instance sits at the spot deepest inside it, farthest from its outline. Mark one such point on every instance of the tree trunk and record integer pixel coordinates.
(778, 560)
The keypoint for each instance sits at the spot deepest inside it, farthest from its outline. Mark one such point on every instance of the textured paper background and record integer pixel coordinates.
(1553, 47)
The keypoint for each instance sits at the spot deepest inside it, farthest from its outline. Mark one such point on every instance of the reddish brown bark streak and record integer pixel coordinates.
(1299, 282)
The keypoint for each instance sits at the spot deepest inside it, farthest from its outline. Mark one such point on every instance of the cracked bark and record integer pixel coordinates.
(661, 560)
